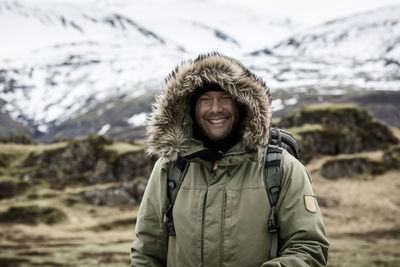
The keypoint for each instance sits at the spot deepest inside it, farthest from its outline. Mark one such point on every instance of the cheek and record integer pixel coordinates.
(198, 113)
(233, 109)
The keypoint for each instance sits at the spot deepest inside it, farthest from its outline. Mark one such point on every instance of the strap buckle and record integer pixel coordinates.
(273, 225)
(169, 221)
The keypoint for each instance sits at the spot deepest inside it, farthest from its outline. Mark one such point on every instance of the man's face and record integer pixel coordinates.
(217, 114)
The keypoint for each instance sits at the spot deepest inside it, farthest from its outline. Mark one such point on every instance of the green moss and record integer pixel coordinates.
(13, 261)
(121, 223)
(42, 154)
(326, 114)
(32, 215)
(299, 131)
(335, 108)
(72, 201)
(99, 140)
(392, 157)
(9, 189)
(122, 148)
(17, 139)
(353, 166)
(5, 159)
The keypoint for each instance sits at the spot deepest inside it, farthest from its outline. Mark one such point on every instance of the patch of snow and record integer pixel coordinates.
(277, 104)
(138, 119)
(104, 129)
(291, 101)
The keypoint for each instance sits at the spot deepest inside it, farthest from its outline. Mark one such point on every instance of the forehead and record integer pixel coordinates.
(215, 94)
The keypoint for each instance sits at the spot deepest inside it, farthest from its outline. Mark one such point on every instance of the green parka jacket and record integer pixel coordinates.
(221, 216)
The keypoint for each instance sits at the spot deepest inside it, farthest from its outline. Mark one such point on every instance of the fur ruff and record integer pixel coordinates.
(169, 128)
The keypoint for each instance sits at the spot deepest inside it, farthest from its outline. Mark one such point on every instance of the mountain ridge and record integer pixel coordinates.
(113, 53)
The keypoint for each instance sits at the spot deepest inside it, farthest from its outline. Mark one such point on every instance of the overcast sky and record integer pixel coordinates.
(313, 11)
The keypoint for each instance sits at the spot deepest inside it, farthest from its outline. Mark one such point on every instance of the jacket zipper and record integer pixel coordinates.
(223, 228)
(203, 215)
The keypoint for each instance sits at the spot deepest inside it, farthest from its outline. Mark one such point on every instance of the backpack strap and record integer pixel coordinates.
(273, 161)
(176, 173)
(285, 140)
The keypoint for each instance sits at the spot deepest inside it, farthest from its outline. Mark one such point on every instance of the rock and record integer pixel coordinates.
(17, 139)
(349, 167)
(5, 159)
(327, 202)
(336, 129)
(102, 173)
(392, 157)
(136, 188)
(87, 161)
(133, 164)
(128, 193)
(114, 196)
(32, 215)
(9, 189)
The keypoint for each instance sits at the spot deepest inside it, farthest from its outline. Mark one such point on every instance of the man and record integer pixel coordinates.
(222, 209)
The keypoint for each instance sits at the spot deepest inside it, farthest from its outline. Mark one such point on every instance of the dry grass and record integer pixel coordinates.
(122, 148)
(362, 216)
(362, 219)
(396, 132)
(357, 205)
(73, 243)
(358, 251)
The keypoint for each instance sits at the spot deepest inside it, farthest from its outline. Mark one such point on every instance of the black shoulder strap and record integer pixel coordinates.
(176, 173)
(273, 161)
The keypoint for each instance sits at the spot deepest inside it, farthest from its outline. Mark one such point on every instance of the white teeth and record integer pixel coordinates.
(217, 121)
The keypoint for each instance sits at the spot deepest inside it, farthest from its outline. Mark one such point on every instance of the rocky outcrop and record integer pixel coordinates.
(17, 139)
(392, 157)
(32, 215)
(336, 129)
(9, 189)
(362, 166)
(127, 193)
(350, 167)
(88, 161)
(5, 159)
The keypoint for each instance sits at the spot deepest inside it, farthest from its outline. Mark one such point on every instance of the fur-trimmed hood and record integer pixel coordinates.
(170, 125)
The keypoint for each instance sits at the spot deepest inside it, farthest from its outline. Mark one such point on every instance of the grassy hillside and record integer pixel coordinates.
(45, 226)
(90, 219)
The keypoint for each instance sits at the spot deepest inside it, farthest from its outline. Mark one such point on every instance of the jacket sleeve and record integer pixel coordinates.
(302, 238)
(151, 245)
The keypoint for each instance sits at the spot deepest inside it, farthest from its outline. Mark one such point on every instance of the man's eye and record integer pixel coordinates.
(205, 99)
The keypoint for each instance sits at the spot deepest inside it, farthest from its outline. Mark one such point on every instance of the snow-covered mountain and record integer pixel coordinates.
(69, 68)
(356, 52)
(61, 59)
(373, 35)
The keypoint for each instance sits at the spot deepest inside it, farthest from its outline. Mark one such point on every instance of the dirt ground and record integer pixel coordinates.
(362, 216)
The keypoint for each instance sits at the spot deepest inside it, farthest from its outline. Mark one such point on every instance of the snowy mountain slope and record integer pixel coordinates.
(366, 36)
(26, 25)
(202, 26)
(351, 53)
(70, 68)
(62, 58)
(72, 59)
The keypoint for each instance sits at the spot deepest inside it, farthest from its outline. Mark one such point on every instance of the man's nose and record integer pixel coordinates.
(216, 106)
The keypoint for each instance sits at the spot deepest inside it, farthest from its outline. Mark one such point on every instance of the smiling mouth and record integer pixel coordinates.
(217, 121)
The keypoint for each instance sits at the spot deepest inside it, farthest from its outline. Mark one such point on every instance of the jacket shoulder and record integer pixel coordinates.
(293, 168)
